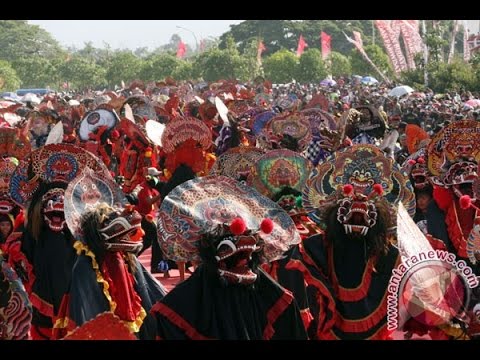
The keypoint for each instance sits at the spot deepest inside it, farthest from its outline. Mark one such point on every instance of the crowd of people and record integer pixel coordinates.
(287, 200)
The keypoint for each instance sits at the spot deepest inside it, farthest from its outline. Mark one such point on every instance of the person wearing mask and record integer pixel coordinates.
(147, 198)
(6, 227)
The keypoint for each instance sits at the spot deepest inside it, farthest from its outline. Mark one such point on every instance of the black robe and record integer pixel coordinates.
(77, 309)
(52, 258)
(201, 308)
(360, 312)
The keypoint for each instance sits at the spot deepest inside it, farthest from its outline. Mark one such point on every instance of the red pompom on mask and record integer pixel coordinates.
(238, 226)
(421, 160)
(348, 189)
(412, 162)
(378, 189)
(115, 134)
(267, 225)
(465, 202)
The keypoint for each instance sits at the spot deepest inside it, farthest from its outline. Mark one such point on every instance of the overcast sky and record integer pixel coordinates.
(131, 34)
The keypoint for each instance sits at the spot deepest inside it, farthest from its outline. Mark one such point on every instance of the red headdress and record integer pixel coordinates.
(186, 140)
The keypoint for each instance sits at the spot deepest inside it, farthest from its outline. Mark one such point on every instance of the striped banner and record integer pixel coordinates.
(390, 38)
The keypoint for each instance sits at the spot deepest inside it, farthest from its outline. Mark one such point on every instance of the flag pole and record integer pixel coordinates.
(425, 54)
(366, 57)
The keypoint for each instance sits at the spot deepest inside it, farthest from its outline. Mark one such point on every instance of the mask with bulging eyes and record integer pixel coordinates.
(122, 231)
(233, 255)
(52, 209)
(6, 205)
(462, 172)
(357, 212)
(234, 250)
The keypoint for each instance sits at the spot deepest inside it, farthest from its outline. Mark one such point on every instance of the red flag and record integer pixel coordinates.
(325, 40)
(301, 45)
(261, 48)
(181, 50)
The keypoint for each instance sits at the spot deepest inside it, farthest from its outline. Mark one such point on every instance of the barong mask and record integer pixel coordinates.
(460, 176)
(416, 167)
(357, 212)
(122, 230)
(98, 214)
(234, 249)
(52, 209)
(453, 156)
(221, 223)
(6, 204)
(359, 188)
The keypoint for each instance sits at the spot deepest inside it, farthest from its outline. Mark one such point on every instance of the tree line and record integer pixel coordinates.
(31, 57)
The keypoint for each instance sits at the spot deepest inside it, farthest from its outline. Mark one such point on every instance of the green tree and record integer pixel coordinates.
(216, 64)
(159, 66)
(100, 56)
(9, 80)
(172, 46)
(275, 34)
(338, 64)
(37, 71)
(280, 67)
(444, 77)
(142, 52)
(19, 39)
(223, 64)
(311, 67)
(253, 68)
(82, 73)
(198, 63)
(184, 71)
(377, 55)
(455, 76)
(435, 40)
(123, 66)
(475, 60)
(413, 78)
(278, 34)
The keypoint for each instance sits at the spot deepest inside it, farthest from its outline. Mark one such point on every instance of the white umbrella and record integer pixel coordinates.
(29, 97)
(400, 91)
(369, 80)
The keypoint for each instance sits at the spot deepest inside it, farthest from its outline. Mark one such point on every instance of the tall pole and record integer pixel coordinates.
(425, 54)
(194, 36)
(452, 41)
(373, 32)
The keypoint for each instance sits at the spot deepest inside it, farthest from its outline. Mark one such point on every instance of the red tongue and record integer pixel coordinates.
(242, 262)
(56, 219)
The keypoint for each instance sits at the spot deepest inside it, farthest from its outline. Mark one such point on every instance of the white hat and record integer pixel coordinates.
(153, 171)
